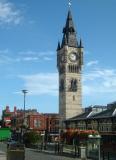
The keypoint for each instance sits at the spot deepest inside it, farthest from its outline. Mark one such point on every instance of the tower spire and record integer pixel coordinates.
(69, 32)
(58, 47)
(81, 44)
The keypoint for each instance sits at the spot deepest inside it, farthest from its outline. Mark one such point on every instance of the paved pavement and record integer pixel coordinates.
(2, 155)
(35, 155)
(32, 154)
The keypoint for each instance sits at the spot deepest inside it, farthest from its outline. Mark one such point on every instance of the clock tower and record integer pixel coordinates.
(69, 64)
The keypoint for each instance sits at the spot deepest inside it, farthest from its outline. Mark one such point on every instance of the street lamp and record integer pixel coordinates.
(24, 91)
(96, 137)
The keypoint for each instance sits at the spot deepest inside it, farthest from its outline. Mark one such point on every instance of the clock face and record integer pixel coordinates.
(73, 56)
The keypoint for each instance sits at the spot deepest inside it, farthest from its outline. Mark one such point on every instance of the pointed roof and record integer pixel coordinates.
(81, 44)
(64, 40)
(58, 47)
(69, 21)
(69, 33)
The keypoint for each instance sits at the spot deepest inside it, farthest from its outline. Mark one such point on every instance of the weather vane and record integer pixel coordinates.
(69, 3)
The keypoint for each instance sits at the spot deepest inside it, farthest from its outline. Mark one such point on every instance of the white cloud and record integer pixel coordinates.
(47, 58)
(30, 59)
(5, 59)
(37, 55)
(91, 63)
(7, 56)
(99, 81)
(86, 52)
(41, 84)
(9, 14)
(34, 53)
(99, 73)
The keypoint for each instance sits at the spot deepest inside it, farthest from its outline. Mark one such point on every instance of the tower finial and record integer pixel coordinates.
(69, 3)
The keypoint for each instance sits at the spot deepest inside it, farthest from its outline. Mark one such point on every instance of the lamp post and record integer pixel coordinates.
(96, 137)
(24, 91)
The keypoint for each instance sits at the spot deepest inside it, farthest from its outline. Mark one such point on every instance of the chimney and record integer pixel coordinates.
(15, 109)
(7, 109)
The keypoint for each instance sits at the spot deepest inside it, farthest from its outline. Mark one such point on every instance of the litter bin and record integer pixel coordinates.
(16, 151)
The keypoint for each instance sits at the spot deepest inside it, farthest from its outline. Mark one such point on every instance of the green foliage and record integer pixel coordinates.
(7, 114)
(31, 137)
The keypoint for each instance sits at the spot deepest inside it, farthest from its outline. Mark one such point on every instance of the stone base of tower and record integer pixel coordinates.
(72, 113)
(69, 115)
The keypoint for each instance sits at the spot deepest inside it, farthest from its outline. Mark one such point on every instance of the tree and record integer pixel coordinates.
(31, 138)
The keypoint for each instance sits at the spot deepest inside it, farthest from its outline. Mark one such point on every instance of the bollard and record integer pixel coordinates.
(83, 153)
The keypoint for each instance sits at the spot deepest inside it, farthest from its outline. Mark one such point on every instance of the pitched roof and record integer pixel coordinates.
(110, 112)
(79, 117)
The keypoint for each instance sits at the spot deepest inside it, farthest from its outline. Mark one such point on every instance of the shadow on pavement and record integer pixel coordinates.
(56, 154)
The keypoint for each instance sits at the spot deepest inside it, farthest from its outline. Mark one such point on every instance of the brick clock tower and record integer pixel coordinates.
(69, 64)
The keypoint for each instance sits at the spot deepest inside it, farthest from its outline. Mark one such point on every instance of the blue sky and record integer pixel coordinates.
(29, 32)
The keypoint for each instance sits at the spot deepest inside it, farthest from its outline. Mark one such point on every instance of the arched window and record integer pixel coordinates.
(77, 69)
(71, 68)
(62, 85)
(73, 85)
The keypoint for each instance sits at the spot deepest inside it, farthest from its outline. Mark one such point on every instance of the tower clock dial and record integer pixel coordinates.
(73, 56)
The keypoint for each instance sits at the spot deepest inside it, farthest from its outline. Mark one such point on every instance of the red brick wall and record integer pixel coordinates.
(37, 122)
(42, 122)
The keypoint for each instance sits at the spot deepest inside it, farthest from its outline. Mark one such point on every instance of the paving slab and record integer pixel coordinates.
(2, 155)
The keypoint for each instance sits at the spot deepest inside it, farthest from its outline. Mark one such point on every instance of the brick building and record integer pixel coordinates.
(52, 122)
(33, 120)
(37, 122)
(7, 116)
(44, 122)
